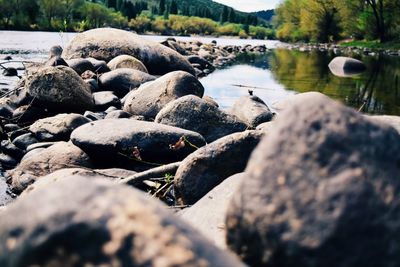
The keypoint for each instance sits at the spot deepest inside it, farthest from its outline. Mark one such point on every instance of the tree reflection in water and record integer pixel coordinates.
(375, 91)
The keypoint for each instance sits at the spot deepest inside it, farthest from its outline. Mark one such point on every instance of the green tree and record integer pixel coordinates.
(246, 28)
(71, 7)
(173, 8)
(51, 9)
(166, 14)
(320, 18)
(96, 14)
(232, 15)
(186, 10)
(224, 14)
(6, 12)
(111, 3)
(161, 7)
(141, 24)
(129, 10)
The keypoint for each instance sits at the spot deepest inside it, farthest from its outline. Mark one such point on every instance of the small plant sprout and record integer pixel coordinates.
(168, 178)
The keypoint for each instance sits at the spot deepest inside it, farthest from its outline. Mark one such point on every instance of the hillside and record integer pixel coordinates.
(266, 14)
(199, 8)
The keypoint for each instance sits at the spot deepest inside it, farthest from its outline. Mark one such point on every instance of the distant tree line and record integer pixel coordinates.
(184, 8)
(184, 25)
(330, 20)
(64, 15)
(159, 16)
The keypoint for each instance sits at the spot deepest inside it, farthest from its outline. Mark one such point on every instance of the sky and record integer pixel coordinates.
(250, 5)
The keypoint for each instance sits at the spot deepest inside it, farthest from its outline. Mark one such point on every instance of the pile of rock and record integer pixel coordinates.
(342, 50)
(318, 186)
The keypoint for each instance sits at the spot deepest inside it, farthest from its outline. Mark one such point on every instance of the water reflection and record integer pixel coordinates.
(282, 72)
(249, 72)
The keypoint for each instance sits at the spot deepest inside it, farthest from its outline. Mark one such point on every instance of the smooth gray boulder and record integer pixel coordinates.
(107, 43)
(57, 128)
(322, 189)
(59, 88)
(80, 65)
(7, 162)
(118, 114)
(204, 169)
(59, 156)
(209, 213)
(56, 61)
(6, 111)
(125, 61)
(346, 66)
(93, 222)
(252, 110)
(122, 81)
(55, 51)
(40, 145)
(195, 114)
(104, 100)
(9, 148)
(24, 140)
(99, 66)
(150, 98)
(112, 139)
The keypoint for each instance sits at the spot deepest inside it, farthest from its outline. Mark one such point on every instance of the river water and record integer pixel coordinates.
(273, 76)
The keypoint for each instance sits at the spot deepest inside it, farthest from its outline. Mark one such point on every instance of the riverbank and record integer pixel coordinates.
(109, 84)
(110, 134)
(350, 48)
(373, 45)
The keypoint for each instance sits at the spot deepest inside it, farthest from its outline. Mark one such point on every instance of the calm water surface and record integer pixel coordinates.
(272, 76)
(281, 72)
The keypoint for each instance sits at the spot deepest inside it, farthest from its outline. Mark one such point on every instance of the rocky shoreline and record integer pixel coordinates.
(341, 50)
(97, 138)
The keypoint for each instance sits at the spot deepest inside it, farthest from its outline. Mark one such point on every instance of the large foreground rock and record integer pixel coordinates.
(59, 156)
(252, 110)
(59, 88)
(322, 190)
(57, 128)
(89, 222)
(210, 165)
(150, 98)
(106, 44)
(209, 213)
(151, 142)
(199, 115)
